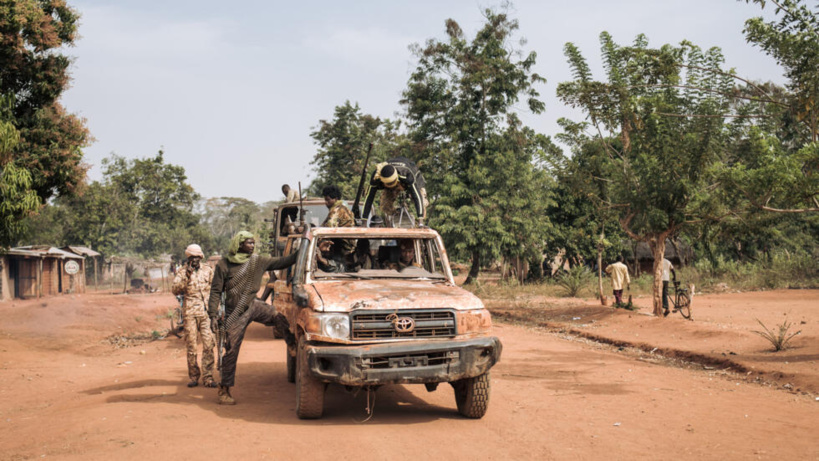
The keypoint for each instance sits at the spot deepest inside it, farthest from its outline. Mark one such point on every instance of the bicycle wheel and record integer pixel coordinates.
(684, 304)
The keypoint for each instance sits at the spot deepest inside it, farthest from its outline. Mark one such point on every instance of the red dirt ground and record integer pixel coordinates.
(66, 392)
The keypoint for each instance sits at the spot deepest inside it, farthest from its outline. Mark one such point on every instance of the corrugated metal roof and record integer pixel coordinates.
(22, 252)
(81, 250)
(45, 250)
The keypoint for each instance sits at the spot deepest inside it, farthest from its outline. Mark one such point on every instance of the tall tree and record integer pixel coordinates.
(224, 216)
(17, 199)
(479, 161)
(342, 147)
(35, 72)
(142, 207)
(661, 130)
(776, 163)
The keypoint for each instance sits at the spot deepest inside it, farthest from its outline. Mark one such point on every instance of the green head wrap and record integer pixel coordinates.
(233, 252)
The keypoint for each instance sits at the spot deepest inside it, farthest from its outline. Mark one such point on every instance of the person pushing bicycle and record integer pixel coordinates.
(667, 268)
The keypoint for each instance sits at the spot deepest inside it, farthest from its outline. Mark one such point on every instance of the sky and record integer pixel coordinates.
(232, 90)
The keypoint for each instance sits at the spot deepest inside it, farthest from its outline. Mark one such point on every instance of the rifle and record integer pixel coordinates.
(221, 334)
(357, 202)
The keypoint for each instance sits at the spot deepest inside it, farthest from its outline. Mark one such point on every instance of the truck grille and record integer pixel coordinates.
(438, 323)
(410, 360)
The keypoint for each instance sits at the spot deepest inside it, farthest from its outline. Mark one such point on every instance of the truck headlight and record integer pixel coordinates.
(336, 326)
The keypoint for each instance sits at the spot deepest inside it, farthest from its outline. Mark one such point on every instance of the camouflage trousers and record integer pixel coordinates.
(258, 311)
(389, 196)
(198, 327)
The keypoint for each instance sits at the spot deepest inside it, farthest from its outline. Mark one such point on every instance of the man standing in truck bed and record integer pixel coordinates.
(239, 276)
(394, 176)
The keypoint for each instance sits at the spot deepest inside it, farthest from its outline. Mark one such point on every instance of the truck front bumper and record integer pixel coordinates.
(420, 361)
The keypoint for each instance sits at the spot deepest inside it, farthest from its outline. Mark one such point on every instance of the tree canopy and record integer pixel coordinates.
(35, 73)
(481, 164)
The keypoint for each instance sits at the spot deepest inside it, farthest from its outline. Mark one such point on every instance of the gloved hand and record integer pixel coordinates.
(214, 324)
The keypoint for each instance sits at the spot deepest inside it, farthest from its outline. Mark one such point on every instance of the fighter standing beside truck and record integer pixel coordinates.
(239, 276)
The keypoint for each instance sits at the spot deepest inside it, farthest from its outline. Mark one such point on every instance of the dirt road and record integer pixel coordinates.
(68, 393)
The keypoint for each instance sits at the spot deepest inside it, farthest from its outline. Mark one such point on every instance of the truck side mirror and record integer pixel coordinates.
(300, 295)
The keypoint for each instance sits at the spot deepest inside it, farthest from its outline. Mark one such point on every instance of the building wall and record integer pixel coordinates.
(6, 293)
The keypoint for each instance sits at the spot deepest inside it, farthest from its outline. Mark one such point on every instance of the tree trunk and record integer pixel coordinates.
(658, 251)
(600, 268)
(475, 269)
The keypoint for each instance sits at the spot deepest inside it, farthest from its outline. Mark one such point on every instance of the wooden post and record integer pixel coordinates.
(39, 276)
(95, 274)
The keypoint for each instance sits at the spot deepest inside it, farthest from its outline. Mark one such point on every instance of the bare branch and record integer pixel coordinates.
(712, 116)
(746, 81)
(708, 90)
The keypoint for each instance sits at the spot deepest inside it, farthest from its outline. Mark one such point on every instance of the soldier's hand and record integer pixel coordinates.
(214, 324)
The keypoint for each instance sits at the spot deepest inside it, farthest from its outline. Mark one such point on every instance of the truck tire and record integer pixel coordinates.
(309, 390)
(472, 396)
(291, 366)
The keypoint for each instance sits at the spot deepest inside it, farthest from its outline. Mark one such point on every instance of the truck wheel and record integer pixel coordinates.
(309, 390)
(291, 366)
(472, 396)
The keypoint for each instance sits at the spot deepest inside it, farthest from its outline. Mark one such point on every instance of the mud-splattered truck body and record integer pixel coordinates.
(380, 306)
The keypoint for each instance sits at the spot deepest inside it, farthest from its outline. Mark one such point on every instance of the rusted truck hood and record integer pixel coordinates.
(345, 295)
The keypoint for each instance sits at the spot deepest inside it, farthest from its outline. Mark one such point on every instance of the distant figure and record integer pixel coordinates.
(290, 195)
(619, 274)
(394, 176)
(667, 268)
(193, 282)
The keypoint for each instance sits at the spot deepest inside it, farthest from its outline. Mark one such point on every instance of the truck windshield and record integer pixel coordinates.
(314, 215)
(377, 258)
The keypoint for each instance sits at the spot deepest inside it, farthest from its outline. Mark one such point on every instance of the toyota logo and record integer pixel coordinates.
(401, 324)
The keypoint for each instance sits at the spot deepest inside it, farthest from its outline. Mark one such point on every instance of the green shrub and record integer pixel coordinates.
(779, 339)
(575, 280)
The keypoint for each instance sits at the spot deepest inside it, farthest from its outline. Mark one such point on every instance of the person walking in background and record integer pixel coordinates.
(668, 271)
(619, 274)
(193, 282)
(239, 276)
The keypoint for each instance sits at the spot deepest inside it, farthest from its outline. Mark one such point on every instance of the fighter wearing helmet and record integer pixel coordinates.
(394, 176)
(193, 282)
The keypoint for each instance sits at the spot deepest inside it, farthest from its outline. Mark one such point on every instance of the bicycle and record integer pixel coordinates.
(178, 319)
(681, 300)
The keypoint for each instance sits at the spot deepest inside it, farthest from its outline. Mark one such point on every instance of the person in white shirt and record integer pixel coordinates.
(619, 274)
(668, 275)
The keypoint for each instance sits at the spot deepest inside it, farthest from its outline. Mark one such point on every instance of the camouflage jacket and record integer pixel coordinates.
(195, 289)
(339, 216)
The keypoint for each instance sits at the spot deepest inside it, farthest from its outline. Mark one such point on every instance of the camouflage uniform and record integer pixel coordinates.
(196, 290)
(340, 216)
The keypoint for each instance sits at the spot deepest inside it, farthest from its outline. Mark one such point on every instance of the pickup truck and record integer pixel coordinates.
(373, 306)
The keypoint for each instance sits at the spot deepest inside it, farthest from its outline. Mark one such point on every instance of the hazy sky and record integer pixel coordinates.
(232, 90)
